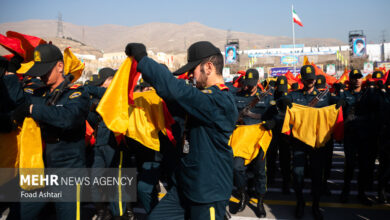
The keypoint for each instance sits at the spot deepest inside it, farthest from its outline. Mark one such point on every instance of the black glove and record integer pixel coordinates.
(340, 103)
(380, 84)
(287, 102)
(14, 63)
(136, 50)
(269, 124)
(21, 112)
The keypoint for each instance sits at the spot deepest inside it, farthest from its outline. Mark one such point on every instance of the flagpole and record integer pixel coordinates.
(292, 21)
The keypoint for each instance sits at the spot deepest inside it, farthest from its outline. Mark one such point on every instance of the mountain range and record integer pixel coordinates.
(164, 37)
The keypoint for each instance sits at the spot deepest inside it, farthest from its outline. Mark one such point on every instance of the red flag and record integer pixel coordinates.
(13, 45)
(345, 77)
(28, 43)
(133, 78)
(330, 80)
(237, 82)
(291, 79)
(183, 76)
(338, 132)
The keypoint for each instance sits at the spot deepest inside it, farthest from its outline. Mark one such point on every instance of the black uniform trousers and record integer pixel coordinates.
(175, 206)
(302, 153)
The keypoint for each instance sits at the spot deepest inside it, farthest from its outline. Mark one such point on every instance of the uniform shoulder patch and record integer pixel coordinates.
(29, 90)
(74, 95)
(272, 102)
(222, 87)
(75, 86)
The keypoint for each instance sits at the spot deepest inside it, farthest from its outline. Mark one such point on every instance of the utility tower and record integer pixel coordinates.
(60, 27)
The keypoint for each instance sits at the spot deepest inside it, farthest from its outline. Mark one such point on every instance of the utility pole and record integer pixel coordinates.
(60, 27)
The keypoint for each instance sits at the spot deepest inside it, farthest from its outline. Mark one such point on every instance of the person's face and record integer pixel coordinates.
(107, 82)
(309, 83)
(230, 53)
(359, 46)
(201, 73)
(356, 82)
(54, 75)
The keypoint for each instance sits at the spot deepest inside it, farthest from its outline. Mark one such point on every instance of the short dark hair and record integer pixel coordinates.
(216, 60)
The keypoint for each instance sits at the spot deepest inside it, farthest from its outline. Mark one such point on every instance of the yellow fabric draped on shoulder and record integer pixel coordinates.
(247, 140)
(312, 126)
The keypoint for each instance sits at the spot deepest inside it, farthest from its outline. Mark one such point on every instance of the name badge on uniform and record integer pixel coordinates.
(75, 95)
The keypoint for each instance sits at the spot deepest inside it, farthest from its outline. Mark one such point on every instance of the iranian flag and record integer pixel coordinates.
(296, 18)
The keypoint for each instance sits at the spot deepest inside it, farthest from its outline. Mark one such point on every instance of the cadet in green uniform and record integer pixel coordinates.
(62, 121)
(301, 150)
(204, 177)
(259, 113)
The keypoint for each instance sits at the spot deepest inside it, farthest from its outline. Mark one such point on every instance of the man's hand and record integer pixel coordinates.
(269, 124)
(21, 112)
(283, 103)
(14, 63)
(136, 50)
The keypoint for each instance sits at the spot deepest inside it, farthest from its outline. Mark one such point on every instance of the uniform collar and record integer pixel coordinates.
(314, 92)
(222, 87)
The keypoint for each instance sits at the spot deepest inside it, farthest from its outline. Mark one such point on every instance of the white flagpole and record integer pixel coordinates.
(292, 20)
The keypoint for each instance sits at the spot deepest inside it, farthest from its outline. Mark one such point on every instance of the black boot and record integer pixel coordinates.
(363, 198)
(325, 189)
(382, 196)
(244, 198)
(286, 188)
(129, 213)
(316, 211)
(300, 208)
(260, 210)
(344, 197)
(102, 212)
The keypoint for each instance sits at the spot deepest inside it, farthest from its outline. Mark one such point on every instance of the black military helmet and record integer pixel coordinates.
(355, 74)
(46, 57)
(295, 86)
(251, 78)
(196, 53)
(281, 84)
(377, 75)
(103, 74)
(308, 72)
(321, 82)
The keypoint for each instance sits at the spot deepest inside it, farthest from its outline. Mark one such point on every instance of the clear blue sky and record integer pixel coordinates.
(321, 18)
